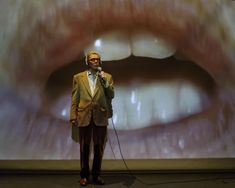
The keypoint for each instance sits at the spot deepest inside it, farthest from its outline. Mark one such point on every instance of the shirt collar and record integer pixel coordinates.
(89, 72)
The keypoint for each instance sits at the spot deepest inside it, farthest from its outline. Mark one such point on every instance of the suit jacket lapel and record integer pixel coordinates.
(86, 83)
(97, 86)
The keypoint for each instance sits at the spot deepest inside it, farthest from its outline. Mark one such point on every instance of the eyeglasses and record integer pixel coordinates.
(94, 59)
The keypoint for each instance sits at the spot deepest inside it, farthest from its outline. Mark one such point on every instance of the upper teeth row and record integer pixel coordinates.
(119, 45)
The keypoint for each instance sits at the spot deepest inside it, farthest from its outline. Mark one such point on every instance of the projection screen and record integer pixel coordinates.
(172, 63)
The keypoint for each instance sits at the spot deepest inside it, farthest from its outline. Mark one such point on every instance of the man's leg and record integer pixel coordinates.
(99, 139)
(84, 140)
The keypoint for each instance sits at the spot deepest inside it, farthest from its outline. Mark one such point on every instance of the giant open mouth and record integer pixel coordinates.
(168, 102)
(148, 90)
(199, 127)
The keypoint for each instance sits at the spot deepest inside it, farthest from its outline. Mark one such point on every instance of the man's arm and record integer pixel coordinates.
(110, 89)
(107, 82)
(74, 102)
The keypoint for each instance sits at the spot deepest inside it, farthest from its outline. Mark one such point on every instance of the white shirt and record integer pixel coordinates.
(92, 79)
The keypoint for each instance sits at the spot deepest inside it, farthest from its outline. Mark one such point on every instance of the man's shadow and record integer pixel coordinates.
(125, 179)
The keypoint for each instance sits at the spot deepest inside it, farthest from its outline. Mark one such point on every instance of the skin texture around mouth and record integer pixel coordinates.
(62, 33)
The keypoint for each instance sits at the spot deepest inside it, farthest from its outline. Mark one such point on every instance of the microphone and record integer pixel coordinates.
(99, 70)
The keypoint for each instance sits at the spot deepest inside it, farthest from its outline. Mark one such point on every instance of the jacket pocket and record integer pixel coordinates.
(80, 109)
(103, 109)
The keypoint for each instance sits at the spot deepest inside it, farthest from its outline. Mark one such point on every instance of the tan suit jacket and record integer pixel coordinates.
(83, 104)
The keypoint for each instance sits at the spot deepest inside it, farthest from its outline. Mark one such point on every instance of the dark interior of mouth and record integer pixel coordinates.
(127, 71)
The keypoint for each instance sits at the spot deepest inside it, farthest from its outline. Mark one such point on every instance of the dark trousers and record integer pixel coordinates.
(98, 135)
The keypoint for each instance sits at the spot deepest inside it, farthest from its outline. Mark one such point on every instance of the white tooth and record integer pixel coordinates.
(131, 110)
(111, 46)
(138, 108)
(119, 112)
(166, 102)
(142, 106)
(189, 99)
(148, 45)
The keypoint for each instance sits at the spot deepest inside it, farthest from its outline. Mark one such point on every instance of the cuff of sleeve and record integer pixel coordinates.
(106, 85)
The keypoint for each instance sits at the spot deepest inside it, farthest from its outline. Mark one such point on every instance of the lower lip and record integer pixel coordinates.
(210, 134)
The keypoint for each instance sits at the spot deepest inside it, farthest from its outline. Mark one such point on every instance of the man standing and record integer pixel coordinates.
(91, 107)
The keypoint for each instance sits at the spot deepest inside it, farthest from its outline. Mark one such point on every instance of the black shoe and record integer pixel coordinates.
(83, 181)
(98, 181)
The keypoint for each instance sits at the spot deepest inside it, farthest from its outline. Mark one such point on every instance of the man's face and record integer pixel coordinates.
(163, 107)
(94, 61)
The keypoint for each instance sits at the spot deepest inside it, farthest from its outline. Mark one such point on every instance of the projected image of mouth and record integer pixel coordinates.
(173, 78)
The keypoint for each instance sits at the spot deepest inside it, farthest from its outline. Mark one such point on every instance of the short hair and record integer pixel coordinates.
(89, 54)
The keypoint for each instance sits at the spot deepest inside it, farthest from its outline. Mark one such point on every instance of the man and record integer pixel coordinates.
(92, 94)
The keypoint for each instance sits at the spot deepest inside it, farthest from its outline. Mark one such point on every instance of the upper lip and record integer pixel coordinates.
(72, 37)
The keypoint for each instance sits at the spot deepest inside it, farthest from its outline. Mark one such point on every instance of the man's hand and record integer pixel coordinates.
(103, 78)
(74, 122)
(102, 75)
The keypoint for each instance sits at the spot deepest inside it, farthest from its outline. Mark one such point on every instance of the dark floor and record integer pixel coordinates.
(121, 180)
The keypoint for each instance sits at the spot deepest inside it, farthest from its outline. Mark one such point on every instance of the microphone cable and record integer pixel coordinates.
(111, 147)
(123, 159)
